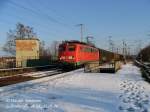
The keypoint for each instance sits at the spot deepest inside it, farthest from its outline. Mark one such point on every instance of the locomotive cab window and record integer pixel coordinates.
(71, 48)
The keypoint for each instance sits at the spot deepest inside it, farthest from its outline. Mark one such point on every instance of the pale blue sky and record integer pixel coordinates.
(56, 19)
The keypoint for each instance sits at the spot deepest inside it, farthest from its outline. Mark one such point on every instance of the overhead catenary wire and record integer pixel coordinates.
(39, 13)
(60, 16)
(39, 23)
(62, 24)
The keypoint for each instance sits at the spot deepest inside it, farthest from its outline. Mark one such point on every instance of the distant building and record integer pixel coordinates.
(27, 48)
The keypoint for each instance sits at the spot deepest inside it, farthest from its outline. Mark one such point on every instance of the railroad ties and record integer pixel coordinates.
(17, 75)
(7, 80)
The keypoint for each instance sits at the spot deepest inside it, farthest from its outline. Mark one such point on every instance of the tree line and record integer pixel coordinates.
(144, 54)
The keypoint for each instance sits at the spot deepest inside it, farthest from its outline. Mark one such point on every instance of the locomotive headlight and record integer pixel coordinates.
(62, 57)
(71, 57)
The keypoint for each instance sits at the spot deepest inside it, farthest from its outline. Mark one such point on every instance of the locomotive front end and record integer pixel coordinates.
(67, 53)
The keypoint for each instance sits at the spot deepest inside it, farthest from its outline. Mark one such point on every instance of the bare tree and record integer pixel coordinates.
(54, 49)
(42, 48)
(10, 45)
(44, 51)
(20, 32)
(24, 31)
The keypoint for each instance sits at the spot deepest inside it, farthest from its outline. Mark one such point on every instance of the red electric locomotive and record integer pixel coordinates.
(77, 53)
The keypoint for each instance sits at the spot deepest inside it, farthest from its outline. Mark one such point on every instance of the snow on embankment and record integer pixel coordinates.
(135, 91)
(78, 92)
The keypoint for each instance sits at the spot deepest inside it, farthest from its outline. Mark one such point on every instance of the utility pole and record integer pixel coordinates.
(111, 44)
(129, 51)
(81, 31)
(117, 50)
(124, 50)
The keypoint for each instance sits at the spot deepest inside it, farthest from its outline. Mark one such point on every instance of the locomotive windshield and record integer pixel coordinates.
(71, 47)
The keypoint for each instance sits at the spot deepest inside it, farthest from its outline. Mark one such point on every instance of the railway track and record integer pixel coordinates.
(13, 79)
(37, 74)
(30, 84)
(44, 74)
(14, 71)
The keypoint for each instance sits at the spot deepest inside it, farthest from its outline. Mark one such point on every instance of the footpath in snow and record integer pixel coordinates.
(124, 91)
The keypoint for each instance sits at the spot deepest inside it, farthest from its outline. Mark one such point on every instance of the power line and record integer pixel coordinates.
(38, 13)
(41, 14)
(39, 10)
(111, 44)
(10, 22)
(54, 11)
(14, 5)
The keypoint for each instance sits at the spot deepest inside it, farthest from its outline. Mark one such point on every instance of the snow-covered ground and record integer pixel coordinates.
(77, 91)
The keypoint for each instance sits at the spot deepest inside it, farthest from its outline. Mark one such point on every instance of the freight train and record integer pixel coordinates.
(78, 53)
